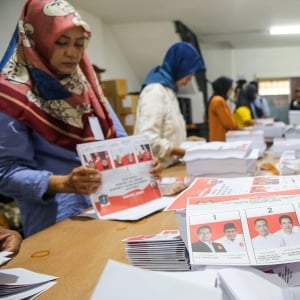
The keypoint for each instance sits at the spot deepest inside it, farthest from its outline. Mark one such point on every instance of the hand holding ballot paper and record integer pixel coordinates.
(129, 172)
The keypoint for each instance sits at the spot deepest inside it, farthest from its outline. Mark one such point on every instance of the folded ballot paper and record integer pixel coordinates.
(128, 191)
(19, 283)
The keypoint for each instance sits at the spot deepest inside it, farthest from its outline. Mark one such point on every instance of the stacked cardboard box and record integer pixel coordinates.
(116, 91)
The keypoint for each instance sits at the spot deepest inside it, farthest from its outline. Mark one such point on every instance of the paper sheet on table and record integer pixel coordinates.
(5, 257)
(249, 284)
(20, 276)
(134, 213)
(30, 294)
(135, 284)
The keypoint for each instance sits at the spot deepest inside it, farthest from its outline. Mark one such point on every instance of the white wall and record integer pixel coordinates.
(268, 62)
(145, 43)
(9, 14)
(252, 63)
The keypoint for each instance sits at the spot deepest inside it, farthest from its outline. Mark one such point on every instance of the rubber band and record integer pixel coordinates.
(121, 227)
(41, 253)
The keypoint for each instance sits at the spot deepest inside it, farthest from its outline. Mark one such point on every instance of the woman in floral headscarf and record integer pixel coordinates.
(158, 113)
(49, 101)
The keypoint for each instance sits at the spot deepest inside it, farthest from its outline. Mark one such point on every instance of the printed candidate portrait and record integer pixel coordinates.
(203, 237)
(263, 232)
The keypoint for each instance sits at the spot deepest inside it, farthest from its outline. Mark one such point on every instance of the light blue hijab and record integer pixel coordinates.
(181, 59)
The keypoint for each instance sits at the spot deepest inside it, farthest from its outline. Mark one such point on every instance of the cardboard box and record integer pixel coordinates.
(115, 87)
(129, 129)
(125, 105)
(128, 119)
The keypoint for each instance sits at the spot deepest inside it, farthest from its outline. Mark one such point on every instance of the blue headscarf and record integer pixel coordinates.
(181, 59)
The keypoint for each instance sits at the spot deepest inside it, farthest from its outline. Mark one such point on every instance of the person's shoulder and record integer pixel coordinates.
(217, 98)
(155, 88)
(218, 102)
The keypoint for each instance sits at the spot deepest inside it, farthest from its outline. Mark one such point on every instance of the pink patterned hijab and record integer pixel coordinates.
(58, 109)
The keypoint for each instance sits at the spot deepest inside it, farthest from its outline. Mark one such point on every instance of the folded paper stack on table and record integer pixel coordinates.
(288, 163)
(292, 131)
(224, 159)
(19, 283)
(161, 252)
(270, 129)
(281, 145)
(255, 136)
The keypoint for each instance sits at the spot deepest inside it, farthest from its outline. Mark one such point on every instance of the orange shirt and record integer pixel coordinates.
(220, 119)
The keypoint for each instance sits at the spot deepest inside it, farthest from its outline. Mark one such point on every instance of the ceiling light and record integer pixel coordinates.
(292, 29)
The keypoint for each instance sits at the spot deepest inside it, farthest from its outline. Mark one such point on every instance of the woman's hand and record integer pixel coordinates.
(156, 169)
(10, 240)
(82, 180)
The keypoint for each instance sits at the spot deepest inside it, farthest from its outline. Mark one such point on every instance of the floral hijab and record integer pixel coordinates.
(57, 109)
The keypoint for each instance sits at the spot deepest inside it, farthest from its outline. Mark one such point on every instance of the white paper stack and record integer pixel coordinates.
(271, 130)
(222, 159)
(248, 283)
(19, 283)
(281, 145)
(160, 252)
(288, 163)
(255, 136)
(294, 117)
(292, 131)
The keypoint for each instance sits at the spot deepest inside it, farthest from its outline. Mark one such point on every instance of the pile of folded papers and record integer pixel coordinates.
(159, 252)
(292, 131)
(281, 145)
(270, 129)
(19, 283)
(221, 159)
(294, 117)
(255, 136)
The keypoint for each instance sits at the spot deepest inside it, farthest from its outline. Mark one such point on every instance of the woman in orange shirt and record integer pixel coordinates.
(220, 119)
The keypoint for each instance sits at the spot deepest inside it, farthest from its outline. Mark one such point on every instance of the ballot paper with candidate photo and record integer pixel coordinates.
(255, 230)
(218, 188)
(127, 186)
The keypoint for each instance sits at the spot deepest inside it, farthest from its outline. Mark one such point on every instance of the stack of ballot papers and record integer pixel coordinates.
(294, 117)
(221, 159)
(271, 130)
(288, 163)
(292, 131)
(255, 136)
(209, 283)
(161, 252)
(19, 283)
(281, 145)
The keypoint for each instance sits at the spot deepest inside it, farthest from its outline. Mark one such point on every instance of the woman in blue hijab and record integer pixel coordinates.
(158, 112)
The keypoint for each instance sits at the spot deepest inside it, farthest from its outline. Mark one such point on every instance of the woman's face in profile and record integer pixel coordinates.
(229, 92)
(68, 51)
(184, 81)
